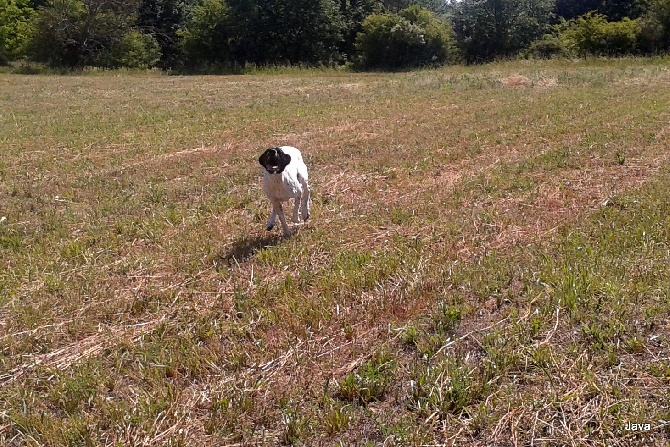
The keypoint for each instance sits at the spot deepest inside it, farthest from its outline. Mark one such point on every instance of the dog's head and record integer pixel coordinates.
(274, 160)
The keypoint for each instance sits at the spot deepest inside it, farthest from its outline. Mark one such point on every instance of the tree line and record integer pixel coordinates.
(191, 35)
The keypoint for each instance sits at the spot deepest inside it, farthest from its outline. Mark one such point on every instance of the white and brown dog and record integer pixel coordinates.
(285, 178)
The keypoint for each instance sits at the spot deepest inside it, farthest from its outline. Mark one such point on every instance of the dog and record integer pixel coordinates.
(285, 178)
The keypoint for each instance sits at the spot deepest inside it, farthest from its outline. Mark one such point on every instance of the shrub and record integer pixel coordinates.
(546, 48)
(592, 34)
(414, 37)
(136, 50)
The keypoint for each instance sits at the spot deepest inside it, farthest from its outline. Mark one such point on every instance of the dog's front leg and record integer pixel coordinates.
(272, 219)
(279, 210)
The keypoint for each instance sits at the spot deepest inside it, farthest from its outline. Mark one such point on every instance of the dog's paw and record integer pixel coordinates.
(269, 227)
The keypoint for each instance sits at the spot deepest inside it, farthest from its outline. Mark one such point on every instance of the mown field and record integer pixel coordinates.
(488, 260)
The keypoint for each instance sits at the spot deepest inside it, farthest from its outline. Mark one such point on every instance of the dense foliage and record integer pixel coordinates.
(15, 27)
(192, 35)
(77, 33)
(655, 28)
(487, 29)
(414, 37)
(614, 10)
(593, 34)
(238, 32)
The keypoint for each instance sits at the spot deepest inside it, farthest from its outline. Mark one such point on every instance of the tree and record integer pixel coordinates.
(414, 37)
(655, 27)
(486, 29)
(162, 19)
(316, 31)
(617, 10)
(353, 13)
(76, 33)
(15, 27)
(571, 9)
(207, 35)
(265, 32)
(614, 10)
(295, 32)
(439, 7)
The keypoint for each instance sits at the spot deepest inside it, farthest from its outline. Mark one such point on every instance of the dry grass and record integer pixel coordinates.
(486, 265)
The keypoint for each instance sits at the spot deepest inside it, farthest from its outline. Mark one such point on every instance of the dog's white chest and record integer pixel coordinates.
(282, 186)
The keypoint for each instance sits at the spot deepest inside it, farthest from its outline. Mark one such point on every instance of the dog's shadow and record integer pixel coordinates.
(243, 249)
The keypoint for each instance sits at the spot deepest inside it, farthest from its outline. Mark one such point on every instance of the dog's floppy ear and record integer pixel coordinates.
(284, 159)
(263, 159)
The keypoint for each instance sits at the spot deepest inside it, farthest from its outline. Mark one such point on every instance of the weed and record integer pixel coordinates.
(620, 157)
(446, 318)
(370, 381)
(10, 240)
(296, 427)
(444, 388)
(336, 416)
(409, 335)
(227, 409)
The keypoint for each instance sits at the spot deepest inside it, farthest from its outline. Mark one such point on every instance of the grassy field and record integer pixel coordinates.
(488, 261)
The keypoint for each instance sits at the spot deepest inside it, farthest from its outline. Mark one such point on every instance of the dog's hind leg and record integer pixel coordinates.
(305, 200)
(296, 204)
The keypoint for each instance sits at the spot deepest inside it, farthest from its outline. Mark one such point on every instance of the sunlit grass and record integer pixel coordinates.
(487, 259)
